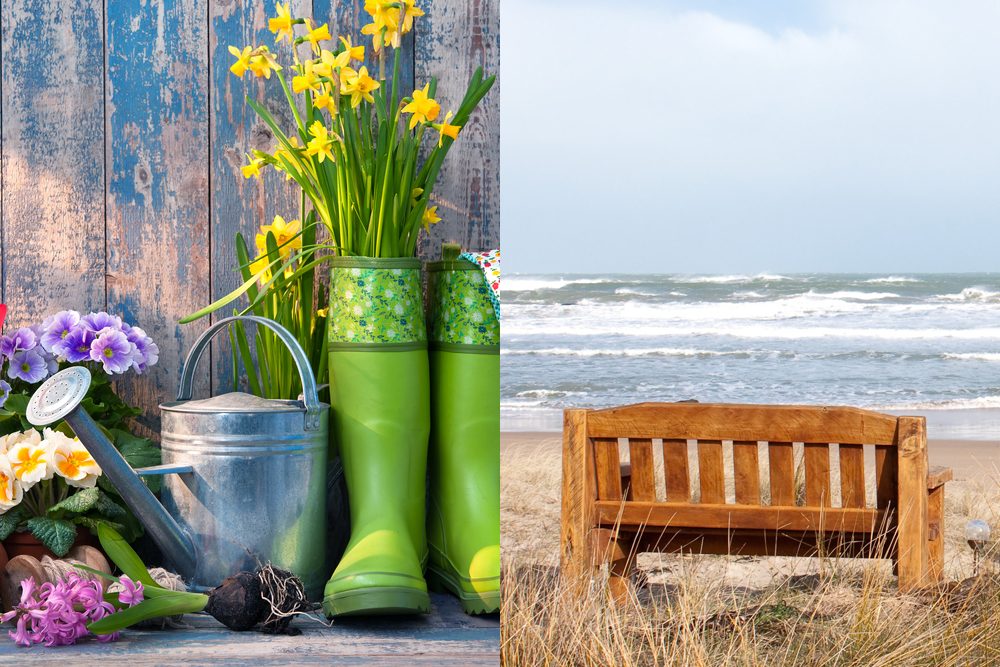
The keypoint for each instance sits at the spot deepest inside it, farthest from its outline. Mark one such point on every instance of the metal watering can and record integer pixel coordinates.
(245, 477)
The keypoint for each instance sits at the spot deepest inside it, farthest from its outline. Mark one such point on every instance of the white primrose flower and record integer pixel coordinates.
(72, 460)
(11, 491)
(30, 459)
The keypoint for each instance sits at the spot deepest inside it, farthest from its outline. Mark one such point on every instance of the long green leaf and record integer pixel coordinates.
(122, 555)
(170, 604)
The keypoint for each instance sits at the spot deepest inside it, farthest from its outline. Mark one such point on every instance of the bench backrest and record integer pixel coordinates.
(595, 439)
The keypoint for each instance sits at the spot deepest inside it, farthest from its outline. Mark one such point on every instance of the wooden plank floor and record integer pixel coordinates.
(444, 637)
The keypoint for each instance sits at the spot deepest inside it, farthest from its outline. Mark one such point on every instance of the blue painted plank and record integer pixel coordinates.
(53, 149)
(238, 204)
(453, 39)
(157, 170)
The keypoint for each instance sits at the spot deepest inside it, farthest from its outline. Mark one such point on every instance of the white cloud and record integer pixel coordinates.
(646, 133)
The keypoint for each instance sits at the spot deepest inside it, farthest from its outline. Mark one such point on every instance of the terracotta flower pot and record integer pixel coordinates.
(26, 544)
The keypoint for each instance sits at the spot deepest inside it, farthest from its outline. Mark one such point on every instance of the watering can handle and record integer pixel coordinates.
(310, 395)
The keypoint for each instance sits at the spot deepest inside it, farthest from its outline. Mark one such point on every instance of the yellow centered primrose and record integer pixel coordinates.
(11, 491)
(316, 35)
(446, 129)
(359, 85)
(72, 460)
(422, 107)
(253, 168)
(31, 462)
(281, 24)
(430, 217)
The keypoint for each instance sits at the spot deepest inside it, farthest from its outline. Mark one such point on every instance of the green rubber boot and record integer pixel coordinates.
(463, 518)
(380, 407)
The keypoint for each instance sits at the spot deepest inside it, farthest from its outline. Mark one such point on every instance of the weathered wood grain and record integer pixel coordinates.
(579, 490)
(817, 464)
(642, 484)
(711, 472)
(157, 191)
(52, 253)
(912, 532)
(852, 475)
(746, 473)
(452, 41)
(676, 476)
(781, 462)
(239, 204)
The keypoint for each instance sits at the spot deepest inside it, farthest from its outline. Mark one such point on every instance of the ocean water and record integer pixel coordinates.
(918, 343)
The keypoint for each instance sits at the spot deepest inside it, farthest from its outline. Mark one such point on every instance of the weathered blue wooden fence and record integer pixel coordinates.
(122, 137)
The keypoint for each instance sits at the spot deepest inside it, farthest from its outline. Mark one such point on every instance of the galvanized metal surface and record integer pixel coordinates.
(257, 490)
(443, 638)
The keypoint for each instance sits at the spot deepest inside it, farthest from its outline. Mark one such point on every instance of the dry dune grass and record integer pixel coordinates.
(730, 610)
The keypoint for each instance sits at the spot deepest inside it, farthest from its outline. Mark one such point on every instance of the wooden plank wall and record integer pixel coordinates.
(122, 136)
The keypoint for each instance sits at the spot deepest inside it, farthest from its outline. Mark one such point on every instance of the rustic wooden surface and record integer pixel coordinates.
(122, 137)
(904, 524)
(443, 638)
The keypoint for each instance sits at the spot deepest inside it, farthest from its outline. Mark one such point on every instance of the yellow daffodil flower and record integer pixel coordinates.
(410, 10)
(253, 168)
(384, 27)
(286, 235)
(359, 85)
(239, 68)
(445, 129)
(353, 52)
(281, 25)
(322, 142)
(322, 312)
(72, 460)
(326, 100)
(307, 80)
(263, 63)
(328, 63)
(430, 217)
(30, 462)
(316, 35)
(11, 491)
(423, 108)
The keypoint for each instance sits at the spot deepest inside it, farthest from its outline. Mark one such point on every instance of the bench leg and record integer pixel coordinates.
(935, 535)
(618, 551)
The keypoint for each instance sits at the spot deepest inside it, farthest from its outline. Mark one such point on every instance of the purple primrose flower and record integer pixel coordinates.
(4, 392)
(57, 329)
(146, 351)
(98, 322)
(113, 350)
(28, 365)
(20, 340)
(77, 344)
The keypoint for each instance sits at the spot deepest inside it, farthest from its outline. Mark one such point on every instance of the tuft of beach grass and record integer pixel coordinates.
(732, 610)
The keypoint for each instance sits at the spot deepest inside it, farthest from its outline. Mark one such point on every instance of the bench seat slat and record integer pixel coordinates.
(675, 471)
(746, 473)
(682, 515)
(852, 475)
(817, 462)
(763, 543)
(608, 464)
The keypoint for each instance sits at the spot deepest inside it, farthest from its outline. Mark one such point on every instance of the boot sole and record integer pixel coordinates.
(377, 601)
(473, 604)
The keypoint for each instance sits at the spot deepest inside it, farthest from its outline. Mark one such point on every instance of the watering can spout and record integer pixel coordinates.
(59, 398)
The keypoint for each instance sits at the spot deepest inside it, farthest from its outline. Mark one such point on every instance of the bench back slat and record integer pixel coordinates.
(852, 476)
(817, 463)
(608, 468)
(751, 423)
(781, 462)
(675, 471)
(746, 473)
(886, 476)
(640, 452)
(711, 472)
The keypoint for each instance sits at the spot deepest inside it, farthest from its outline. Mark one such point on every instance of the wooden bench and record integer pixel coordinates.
(613, 510)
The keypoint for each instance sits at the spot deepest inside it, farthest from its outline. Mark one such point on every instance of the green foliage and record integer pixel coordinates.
(11, 520)
(159, 601)
(57, 535)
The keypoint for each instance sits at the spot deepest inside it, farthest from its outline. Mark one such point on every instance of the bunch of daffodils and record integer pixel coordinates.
(365, 154)
(48, 486)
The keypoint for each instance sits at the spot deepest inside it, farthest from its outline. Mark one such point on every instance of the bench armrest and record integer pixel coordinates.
(937, 476)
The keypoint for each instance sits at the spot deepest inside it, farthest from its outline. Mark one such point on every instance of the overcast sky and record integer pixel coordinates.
(748, 136)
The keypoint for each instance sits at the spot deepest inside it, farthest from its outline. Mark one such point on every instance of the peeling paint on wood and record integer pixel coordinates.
(157, 169)
(453, 39)
(239, 204)
(123, 133)
(53, 149)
